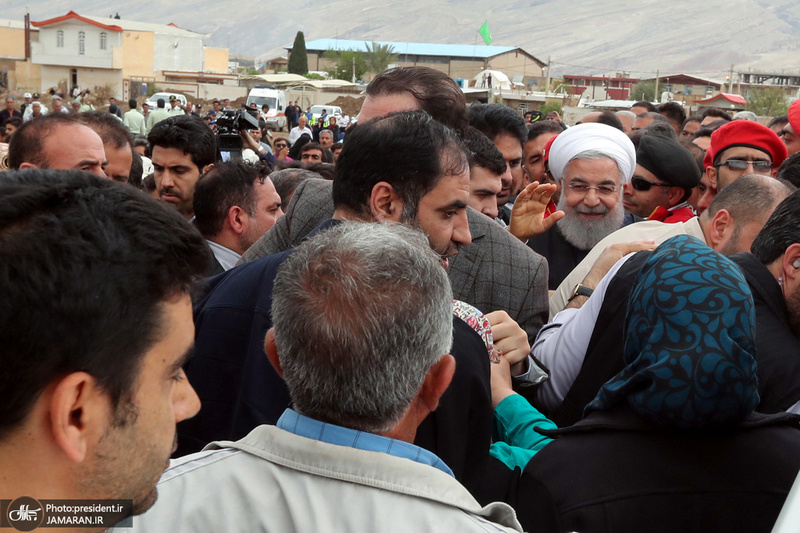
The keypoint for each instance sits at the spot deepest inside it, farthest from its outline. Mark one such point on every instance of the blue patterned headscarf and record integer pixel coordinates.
(689, 341)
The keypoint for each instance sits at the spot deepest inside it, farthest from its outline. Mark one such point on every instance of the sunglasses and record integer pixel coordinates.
(641, 184)
(280, 145)
(738, 164)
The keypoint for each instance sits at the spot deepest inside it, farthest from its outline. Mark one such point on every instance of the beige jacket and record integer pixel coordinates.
(276, 481)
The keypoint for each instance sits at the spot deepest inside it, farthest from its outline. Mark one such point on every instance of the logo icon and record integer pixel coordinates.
(25, 514)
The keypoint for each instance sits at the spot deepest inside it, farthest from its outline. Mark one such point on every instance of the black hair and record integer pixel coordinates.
(544, 126)
(409, 150)
(674, 113)
(790, 169)
(295, 150)
(780, 120)
(132, 103)
(187, 133)
(483, 152)
(715, 112)
(647, 105)
(781, 230)
(436, 92)
(224, 186)
(495, 119)
(110, 129)
(85, 267)
(288, 179)
(610, 119)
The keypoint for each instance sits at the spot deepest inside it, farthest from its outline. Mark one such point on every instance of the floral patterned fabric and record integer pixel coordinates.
(689, 341)
(477, 321)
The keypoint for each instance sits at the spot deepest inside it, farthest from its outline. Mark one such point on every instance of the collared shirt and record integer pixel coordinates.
(226, 257)
(294, 422)
(135, 122)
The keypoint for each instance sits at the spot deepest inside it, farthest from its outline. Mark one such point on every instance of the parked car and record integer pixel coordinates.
(153, 100)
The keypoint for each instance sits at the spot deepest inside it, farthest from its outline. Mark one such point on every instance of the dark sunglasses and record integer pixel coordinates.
(738, 164)
(641, 184)
(280, 145)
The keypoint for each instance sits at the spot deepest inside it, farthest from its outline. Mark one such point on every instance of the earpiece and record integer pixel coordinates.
(796, 264)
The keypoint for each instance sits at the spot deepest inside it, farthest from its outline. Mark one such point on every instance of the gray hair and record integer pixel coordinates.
(327, 132)
(625, 113)
(361, 312)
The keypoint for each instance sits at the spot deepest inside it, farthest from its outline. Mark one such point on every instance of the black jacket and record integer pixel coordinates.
(615, 472)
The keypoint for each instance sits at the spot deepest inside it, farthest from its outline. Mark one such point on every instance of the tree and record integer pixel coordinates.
(644, 90)
(298, 60)
(767, 101)
(552, 105)
(379, 56)
(345, 61)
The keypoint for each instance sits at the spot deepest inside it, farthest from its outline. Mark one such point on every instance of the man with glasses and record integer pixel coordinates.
(592, 162)
(665, 175)
(281, 149)
(742, 147)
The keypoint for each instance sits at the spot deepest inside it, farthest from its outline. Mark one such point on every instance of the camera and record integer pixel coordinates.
(229, 124)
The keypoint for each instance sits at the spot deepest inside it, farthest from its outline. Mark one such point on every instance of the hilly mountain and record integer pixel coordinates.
(582, 37)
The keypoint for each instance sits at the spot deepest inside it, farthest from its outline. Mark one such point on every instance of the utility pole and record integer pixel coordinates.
(730, 81)
(655, 92)
(354, 68)
(547, 81)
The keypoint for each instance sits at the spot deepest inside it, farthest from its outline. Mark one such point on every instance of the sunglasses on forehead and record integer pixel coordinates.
(641, 184)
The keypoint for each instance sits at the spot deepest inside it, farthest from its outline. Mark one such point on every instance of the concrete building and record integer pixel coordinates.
(459, 61)
(84, 51)
(685, 88)
(600, 87)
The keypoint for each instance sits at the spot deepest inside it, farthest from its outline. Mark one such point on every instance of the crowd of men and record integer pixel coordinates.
(445, 318)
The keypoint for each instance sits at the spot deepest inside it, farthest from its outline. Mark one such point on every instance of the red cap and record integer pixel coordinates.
(547, 146)
(794, 116)
(746, 133)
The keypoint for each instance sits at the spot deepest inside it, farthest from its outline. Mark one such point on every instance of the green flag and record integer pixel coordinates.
(484, 31)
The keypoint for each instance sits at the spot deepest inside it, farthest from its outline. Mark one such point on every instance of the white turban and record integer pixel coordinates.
(596, 137)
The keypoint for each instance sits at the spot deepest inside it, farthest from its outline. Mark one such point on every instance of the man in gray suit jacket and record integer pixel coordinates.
(495, 272)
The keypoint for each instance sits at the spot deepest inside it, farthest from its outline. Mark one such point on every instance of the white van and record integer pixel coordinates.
(152, 101)
(276, 100)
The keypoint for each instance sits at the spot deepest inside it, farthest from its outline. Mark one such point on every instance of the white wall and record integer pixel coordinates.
(47, 51)
(172, 52)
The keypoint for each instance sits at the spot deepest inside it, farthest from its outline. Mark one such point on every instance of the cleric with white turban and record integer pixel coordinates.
(597, 137)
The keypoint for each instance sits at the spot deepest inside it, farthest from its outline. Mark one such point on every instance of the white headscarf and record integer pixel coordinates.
(597, 137)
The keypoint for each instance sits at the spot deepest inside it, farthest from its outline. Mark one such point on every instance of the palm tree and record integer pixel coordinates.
(379, 56)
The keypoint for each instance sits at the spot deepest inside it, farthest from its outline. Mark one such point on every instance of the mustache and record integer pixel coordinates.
(596, 210)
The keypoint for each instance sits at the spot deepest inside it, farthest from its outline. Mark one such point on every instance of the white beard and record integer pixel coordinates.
(585, 234)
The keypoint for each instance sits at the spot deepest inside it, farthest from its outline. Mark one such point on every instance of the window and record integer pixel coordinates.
(60, 38)
(81, 43)
(103, 40)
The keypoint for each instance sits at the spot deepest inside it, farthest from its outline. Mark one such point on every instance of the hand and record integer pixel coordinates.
(249, 141)
(609, 258)
(510, 339)
(501, 381)
(527, 216)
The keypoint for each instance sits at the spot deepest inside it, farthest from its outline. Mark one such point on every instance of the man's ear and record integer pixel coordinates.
(272, 351)
(790, 264)
(235, 219)
(384, 203)
(27, 165)
(436, 382)
(711, 172)
(80, 412)
(719, 225)
(207, 168)
(674, 195)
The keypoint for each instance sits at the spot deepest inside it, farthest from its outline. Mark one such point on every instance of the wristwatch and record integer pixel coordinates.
(581, 290)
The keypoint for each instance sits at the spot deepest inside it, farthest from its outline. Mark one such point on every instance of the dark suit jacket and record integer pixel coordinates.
(495, 272)
(240, 390)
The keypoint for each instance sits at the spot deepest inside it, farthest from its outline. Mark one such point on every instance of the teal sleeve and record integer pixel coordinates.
(515, 420)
